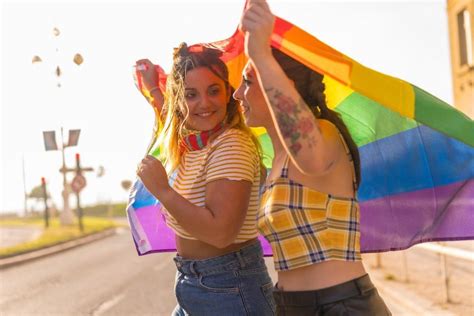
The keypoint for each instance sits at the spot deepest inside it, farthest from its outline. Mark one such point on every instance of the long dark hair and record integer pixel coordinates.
(310, 86)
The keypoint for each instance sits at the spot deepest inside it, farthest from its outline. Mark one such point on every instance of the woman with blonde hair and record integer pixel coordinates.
(213, 201)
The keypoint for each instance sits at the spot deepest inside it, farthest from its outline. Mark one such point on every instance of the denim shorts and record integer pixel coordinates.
(355, 297)
(237, 283)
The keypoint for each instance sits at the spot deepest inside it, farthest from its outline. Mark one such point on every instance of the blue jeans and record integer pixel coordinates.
(237, 283)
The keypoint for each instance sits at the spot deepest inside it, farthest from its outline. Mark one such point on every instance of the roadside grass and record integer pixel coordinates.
(53, 235)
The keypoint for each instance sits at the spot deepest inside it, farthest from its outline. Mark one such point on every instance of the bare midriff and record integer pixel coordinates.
(319, 275)
(195, 249)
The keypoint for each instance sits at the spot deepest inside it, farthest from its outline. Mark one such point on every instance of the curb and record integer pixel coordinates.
(36, 254)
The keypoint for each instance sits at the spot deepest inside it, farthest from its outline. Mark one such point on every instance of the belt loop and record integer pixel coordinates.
(316, 299)
(280, 295)
(241, 259)
(178, 263)
(191, 267)
(358, 286)
(283, 298)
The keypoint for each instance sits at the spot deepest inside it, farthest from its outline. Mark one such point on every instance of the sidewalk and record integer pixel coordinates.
(11, 235)
(22, 258)
(400, 299)
(413, 280)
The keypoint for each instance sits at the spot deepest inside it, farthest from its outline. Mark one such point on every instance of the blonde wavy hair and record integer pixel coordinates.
(175, 111)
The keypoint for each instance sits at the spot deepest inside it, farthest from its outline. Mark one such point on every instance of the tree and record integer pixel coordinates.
(37, 193)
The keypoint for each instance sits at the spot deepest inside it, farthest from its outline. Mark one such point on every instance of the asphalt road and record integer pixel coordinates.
(105, 277)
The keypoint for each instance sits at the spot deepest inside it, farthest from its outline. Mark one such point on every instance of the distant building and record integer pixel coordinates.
(461, 32)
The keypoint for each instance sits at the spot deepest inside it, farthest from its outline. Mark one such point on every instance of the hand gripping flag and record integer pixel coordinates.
(417, 152)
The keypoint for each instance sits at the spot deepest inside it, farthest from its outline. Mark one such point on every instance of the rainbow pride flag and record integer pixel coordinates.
(417, 152)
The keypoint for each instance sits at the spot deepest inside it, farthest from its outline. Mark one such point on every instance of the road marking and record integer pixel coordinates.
(105, 306)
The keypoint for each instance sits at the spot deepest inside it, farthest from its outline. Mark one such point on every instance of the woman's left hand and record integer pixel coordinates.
(257, 23)
(153, 175)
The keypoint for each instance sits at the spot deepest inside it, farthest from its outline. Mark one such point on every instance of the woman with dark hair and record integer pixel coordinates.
(309, 210)
(213, 202)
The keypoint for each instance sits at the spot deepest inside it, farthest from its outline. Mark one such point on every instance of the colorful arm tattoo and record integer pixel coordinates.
(295, 121)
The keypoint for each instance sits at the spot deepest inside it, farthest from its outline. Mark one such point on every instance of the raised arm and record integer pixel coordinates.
(309, 142)
(151, 82)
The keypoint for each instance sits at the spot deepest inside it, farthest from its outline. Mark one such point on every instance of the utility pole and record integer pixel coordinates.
(77, 184)
(66, 216)
(25, 194)
(45, 198)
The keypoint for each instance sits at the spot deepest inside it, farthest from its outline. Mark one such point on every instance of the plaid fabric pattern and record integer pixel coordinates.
(305, 226)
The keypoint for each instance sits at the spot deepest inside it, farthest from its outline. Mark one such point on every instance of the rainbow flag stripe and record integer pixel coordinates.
(417, 152)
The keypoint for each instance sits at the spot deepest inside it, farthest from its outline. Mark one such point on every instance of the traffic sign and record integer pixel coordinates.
(78, 183)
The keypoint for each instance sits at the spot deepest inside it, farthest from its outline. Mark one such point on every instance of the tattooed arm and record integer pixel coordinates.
(309, 142)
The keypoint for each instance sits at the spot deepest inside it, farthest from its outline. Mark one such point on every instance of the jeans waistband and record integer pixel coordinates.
(238, 259)
(327, 295)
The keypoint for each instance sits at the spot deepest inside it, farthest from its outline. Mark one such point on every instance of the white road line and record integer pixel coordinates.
(105, 306)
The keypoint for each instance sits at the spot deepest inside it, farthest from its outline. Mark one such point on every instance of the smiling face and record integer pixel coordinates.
(252, 100)
(206, 97)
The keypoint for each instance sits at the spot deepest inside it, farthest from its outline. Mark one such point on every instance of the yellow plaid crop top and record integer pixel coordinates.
(305, 226)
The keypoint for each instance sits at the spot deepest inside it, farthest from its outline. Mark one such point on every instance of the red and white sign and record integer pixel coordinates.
(78, 183)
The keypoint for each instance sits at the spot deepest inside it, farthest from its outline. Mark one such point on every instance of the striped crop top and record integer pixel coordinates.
(305, 226)
(232, 155)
